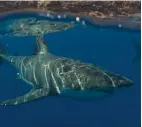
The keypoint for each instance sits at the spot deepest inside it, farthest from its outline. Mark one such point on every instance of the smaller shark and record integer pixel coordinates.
(51, 75)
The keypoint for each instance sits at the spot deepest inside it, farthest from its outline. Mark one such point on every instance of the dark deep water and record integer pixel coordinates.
(111, 49)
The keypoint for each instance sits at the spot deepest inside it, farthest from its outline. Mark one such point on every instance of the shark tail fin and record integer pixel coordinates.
(2, 52)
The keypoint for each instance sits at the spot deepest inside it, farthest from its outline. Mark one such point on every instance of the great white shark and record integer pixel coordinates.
(51, 75)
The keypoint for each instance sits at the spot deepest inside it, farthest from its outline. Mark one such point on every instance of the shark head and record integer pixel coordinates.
(90, 76)
(121, 81)
(109, 79)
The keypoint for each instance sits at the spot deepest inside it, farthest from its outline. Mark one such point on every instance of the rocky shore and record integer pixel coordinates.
(95, 9)
(92, 8)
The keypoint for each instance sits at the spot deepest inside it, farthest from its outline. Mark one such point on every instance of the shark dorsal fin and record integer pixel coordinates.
(41, 47)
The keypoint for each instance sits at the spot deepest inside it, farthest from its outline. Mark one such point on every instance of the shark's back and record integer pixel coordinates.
(35, 69)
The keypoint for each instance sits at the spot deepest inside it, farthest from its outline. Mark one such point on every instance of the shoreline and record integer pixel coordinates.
(102, 22)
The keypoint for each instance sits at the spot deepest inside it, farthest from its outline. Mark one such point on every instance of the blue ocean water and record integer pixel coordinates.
(112, 49)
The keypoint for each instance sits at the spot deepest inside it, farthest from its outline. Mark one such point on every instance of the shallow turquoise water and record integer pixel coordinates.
(112, 49)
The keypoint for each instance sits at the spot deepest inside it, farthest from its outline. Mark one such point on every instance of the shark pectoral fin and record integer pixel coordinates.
(34, 94)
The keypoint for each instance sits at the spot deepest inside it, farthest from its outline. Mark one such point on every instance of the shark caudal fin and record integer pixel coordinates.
(2, 53)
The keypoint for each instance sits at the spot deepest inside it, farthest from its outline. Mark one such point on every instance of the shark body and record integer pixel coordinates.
(51, 75)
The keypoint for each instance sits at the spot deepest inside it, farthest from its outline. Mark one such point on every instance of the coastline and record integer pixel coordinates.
(95, 17)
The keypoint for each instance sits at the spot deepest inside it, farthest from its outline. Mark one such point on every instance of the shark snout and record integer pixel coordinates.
(123, 82)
